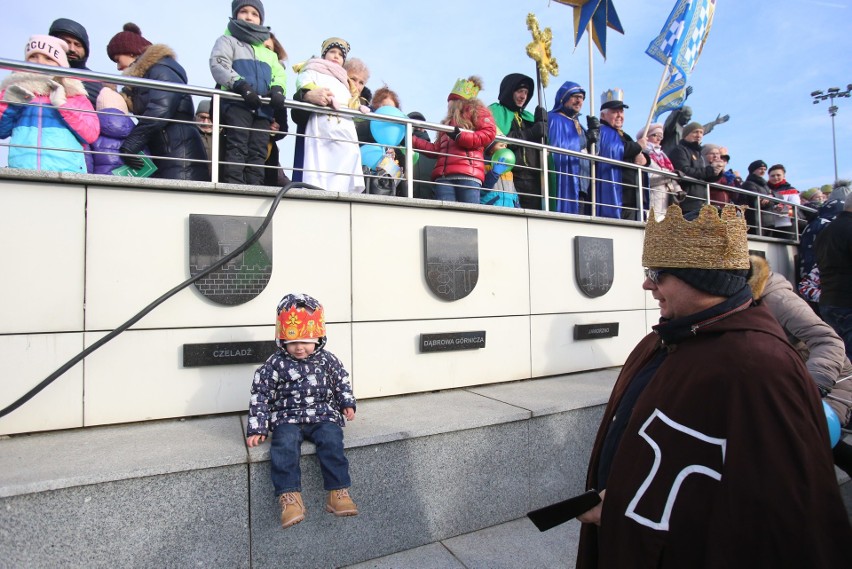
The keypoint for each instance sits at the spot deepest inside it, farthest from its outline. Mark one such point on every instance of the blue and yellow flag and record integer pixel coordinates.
(681, 39)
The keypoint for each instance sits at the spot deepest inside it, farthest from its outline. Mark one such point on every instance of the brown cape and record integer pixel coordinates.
(725, 461)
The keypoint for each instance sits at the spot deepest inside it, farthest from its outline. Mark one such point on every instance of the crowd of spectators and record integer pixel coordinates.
(331, 150)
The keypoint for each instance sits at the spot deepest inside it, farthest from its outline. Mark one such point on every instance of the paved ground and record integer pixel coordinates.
(513, 545)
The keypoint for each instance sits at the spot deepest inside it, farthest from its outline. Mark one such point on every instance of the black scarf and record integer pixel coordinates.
(247, 32)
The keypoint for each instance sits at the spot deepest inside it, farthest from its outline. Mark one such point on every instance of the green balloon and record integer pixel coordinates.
(503, 161)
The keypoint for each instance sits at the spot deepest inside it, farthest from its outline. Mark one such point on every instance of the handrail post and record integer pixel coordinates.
(215, 140)
(409, 160)
(545, 183)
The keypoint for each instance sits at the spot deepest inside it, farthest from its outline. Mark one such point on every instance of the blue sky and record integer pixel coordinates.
(761, 62)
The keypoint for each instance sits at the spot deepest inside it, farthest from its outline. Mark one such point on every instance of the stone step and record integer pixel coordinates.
(425, 468)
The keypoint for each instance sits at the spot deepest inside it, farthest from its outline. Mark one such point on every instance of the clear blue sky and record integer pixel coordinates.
(760, 64)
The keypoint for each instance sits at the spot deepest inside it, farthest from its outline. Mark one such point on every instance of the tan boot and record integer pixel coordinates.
(340, 503)
(292, 508)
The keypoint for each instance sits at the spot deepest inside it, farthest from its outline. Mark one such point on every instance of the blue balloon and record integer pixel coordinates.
(833, 424)
(388, 133)
(371, 155)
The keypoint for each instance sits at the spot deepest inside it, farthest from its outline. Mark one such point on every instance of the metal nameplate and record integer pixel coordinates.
(595, 331)
(452, 341)
(227, 353)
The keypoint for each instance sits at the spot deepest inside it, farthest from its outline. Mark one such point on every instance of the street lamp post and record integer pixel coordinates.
(831, 94)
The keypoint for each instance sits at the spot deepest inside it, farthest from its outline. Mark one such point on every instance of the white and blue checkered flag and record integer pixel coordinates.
(681, 39)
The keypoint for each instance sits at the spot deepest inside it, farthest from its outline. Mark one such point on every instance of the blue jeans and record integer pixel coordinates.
(286, 452)
(466, 191)
(839, 318)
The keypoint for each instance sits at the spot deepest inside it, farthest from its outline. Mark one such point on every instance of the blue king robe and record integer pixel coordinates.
(609, 187)
(569, 174)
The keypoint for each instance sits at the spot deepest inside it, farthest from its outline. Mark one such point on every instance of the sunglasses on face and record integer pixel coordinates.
(654, 275)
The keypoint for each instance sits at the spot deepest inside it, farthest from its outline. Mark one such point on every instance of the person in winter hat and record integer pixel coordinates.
(303, 392)
(328, 156)
(165, 117)
(717, 398)
(116, 124)
(46, 116)
(242, 64)
(75, 35)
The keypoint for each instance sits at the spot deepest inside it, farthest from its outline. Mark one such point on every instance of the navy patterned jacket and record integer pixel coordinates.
(287, 390)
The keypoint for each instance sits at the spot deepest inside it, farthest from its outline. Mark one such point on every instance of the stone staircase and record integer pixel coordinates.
(443, 480)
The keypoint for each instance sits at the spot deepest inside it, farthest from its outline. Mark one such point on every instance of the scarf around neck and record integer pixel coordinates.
(327, 68)
(247, 32)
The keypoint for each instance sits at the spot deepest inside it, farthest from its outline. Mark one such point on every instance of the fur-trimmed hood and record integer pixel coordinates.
(758, 276)
(148, 59)
(40, 84)
(156, 53)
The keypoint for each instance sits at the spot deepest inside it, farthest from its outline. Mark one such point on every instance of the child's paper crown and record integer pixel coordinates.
(463, 89)
(299, 324)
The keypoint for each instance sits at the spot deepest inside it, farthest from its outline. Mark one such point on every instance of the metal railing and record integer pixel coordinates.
(406, 146)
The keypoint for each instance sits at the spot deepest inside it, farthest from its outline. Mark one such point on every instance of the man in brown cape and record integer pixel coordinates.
(713, 450)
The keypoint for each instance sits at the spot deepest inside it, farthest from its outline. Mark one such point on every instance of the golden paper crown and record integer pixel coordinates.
(709, 242)
(299, 324)
(464, 89)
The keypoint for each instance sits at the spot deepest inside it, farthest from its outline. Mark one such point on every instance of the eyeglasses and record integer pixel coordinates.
(654, 275)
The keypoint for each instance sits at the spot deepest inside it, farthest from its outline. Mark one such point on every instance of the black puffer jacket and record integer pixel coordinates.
(687, 159)
(164, 139)
(527, 173)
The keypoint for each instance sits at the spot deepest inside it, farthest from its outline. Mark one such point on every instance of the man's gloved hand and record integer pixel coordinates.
(593, 129)
(276, 96)
(540, 126)
(131, 158)
(455, 134)
(248, 94)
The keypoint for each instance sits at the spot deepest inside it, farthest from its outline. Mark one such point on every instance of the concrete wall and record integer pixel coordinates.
(86, 256)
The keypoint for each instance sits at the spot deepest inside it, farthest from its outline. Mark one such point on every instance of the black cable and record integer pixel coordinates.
(142, 313)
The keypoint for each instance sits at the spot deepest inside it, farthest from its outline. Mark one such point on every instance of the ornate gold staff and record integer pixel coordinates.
(539, 51)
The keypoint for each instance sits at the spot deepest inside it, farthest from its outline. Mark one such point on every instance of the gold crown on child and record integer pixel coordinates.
(464, 89)
(710, 242)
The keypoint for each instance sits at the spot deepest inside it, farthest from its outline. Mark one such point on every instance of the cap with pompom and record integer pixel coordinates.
(129, 41)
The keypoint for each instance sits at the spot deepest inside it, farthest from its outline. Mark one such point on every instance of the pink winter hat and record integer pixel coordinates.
(109, 99)
(52, 47)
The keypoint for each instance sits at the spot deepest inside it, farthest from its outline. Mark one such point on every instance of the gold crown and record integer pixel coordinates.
(709, 242)
(465, 89)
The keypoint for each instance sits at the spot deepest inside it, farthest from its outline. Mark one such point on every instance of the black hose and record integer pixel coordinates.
(142, 313)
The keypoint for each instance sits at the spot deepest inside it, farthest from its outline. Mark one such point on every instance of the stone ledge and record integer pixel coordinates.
(65, 459)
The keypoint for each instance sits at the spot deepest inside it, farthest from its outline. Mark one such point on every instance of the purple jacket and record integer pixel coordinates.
(115, 126)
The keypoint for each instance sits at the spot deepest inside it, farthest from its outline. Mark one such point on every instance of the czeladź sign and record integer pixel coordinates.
(595, 331)
(452, 341)
(227, 353)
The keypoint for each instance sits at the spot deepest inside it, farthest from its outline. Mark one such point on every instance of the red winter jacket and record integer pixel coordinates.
(463, 156)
